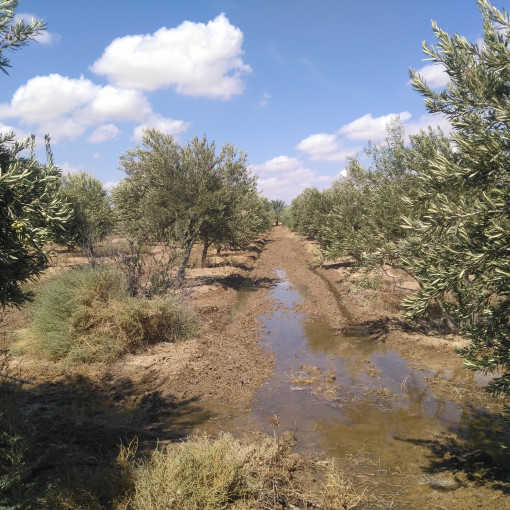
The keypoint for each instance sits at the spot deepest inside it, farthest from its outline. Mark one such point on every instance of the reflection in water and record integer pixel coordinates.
(380, 400)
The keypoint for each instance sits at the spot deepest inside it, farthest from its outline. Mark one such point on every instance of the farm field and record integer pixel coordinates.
(302, 355)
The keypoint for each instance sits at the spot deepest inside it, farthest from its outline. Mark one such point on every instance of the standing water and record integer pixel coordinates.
(353, 398)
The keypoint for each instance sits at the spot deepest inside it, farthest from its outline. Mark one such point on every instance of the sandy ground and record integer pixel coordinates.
(159, 394)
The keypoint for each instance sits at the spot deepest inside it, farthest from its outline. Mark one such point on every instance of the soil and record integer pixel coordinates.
(161, 394)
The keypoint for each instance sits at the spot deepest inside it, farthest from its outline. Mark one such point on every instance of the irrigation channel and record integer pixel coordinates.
(354, 399)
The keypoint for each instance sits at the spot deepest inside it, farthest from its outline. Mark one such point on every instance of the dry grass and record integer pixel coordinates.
(321, 383)
(87, 314)
(214, 474)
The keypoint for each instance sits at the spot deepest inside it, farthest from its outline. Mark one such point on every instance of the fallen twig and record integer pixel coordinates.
(17, 379)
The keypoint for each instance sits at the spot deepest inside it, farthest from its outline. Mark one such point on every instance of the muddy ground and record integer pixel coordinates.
(162, 394)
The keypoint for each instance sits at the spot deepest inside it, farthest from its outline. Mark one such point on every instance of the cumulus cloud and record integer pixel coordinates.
(324, 147)
(370, 128)
(278, 164)
(435, 75)
(104, 133)
(110, 103)
(165, 125)
(426, 120)
(69, 168)
(284, 177)
(288, 186)
(197, 59)
(45, 98)
(67, 107)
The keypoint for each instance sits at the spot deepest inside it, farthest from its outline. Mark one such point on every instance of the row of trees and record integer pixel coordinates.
(439, 206)
(190, 194)
(172, 194)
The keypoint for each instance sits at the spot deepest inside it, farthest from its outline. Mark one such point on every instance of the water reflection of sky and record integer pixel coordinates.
(358, 418)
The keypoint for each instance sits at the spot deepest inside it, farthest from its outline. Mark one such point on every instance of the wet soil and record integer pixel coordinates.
(174, 389)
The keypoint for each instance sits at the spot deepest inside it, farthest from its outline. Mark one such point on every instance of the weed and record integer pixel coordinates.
(87, 314)
(199, 473)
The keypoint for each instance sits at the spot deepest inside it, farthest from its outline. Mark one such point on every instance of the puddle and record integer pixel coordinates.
(351, 397)
(242, 297)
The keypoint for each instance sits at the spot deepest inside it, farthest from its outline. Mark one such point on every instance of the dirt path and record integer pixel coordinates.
(227, 363)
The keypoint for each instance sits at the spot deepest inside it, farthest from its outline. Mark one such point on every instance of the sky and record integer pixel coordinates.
(298, 85)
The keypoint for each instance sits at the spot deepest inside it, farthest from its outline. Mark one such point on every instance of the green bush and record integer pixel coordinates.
(87, 314)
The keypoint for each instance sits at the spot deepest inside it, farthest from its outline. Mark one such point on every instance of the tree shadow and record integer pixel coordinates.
(338, 265)
(467, 462)
(68, 434)
(236, 281)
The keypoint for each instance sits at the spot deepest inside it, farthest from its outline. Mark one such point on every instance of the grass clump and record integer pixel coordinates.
(205, 473)
(87, 314)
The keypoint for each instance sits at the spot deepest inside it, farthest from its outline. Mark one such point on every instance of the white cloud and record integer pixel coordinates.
(165, 125)
(5, 128)
(435, 75)
(320, 143)
(44, 37)
(67, 107)
(426, 120)
(284, 177)
(104, 133)
(324, 147)
(265, 99)
(198, 59)
(290, 185)
(69, 168)
(111, 103)
(49, 97)
(109, 185)
(278, 164)
(370, 128)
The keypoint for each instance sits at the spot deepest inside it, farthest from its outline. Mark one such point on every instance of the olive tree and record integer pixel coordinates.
(14, 34)
(462, 239)
(31, 213)
(181, 195)
(31, 210)
(91, 217)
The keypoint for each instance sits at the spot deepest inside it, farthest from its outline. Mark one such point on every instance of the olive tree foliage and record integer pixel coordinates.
(360, 215)
(307, 212)
(91, 216)
(461, 242)
(14, 34)
(183, 195)
(31, 210)
(31, 213)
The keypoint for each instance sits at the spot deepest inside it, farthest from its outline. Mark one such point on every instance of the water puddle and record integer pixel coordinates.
(354, 398)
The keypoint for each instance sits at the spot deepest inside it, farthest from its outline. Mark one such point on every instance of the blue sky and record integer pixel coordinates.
(296, 84)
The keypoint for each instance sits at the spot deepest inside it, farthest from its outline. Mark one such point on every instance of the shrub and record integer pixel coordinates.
(199, 473)
(87, 314)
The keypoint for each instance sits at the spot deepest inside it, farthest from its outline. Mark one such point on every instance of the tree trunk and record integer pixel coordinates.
(188, 245)
(207, 243)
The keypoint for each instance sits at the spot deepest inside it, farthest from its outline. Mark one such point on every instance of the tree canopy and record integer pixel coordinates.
(185, 194)
(462, 240)
(31, 210)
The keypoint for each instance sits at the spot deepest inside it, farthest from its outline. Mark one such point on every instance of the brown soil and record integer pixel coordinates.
(162, 394)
